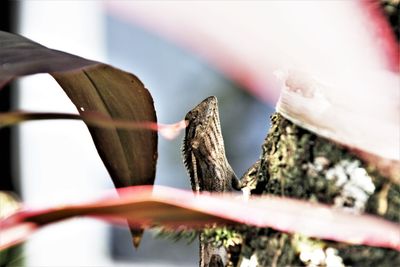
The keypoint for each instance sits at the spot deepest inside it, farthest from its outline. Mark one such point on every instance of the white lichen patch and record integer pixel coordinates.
(356, 184)
(252, 262)
(314, 253)
(332, 258)
(315, 257)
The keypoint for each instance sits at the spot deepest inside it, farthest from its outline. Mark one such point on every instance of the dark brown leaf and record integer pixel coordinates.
(129, 155)
(21, 56)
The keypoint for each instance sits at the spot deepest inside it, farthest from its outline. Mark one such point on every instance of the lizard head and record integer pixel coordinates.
(198, 120)
(203, 113)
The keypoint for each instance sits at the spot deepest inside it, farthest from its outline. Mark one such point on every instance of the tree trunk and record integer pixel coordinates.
(297, 163)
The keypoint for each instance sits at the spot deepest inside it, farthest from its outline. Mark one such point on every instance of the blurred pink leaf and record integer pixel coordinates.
(247, 41)
(148, 206)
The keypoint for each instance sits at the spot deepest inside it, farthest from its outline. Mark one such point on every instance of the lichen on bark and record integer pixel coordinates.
(297, 163)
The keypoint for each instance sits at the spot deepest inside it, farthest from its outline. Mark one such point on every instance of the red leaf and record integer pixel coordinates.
(147, 206)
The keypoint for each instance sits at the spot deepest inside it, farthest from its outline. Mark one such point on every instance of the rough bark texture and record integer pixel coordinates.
(299, 164)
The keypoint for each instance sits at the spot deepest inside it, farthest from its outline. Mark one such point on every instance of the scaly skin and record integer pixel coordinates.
(204, 152)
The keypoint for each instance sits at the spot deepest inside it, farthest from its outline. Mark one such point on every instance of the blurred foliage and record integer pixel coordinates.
(12, 257)
(391, 9)
(9, 203)
(176, 235)
(221, 236)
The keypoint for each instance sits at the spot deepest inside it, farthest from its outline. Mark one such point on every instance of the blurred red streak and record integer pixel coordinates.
(381, 27)
(168, 131)
(174, 208)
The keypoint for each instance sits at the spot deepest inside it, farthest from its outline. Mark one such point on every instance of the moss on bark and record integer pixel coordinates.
(297, 163)
(300, 164)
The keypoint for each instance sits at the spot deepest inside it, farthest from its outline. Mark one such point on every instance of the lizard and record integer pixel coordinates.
(209, 170)
(204, 152)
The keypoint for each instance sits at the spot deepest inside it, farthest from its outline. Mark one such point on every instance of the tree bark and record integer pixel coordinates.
(297, 163)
